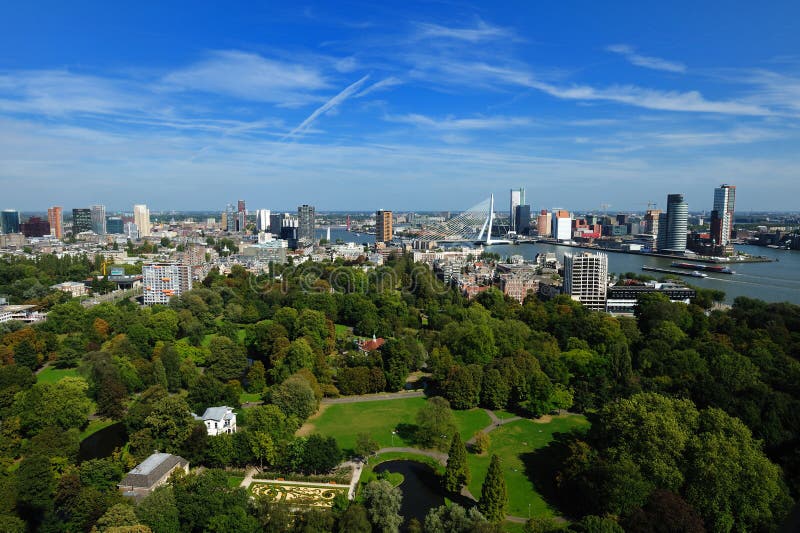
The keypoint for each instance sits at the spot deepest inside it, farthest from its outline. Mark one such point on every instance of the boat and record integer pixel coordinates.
(696, 274)
(669, 271)
(717, 269)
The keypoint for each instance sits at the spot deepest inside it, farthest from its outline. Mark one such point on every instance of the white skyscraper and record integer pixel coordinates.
(586, 279)
(141, 217)
(562, 225)
(99, 219)
(162, 281)
(262, 220)
(722, 219)
(517, 198)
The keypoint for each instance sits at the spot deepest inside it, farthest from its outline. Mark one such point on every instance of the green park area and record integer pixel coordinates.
(516, 443)
(53, 375)
(381, 418)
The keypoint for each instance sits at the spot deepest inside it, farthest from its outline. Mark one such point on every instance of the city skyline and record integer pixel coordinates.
(576, 103)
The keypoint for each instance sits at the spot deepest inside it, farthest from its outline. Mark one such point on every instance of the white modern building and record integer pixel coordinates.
(724, 202)
(141, 217)
(517, 198)
(162, 281)
(218, 420)
(562, 225)
(99, 219)
(586, 279)
(262, 219)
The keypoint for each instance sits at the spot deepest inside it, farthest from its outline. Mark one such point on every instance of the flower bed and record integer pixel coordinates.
(297, 495)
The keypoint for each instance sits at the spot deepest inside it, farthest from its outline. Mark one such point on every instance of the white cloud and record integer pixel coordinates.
(385, 83)
(251, 77)
(479, 33)
(59, 92)
(655, 63)
(328, 106)
(460, 124)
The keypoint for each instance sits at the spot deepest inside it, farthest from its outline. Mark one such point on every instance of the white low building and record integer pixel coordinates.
(218, 420)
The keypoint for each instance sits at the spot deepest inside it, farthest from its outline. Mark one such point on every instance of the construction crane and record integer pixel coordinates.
(651, 205)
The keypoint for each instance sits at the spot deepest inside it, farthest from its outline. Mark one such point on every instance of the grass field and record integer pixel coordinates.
(510, 442)
(52, 375)
(379, 418)
(95, 426)
(249, 397)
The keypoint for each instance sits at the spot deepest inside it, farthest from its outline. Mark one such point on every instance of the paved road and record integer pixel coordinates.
(374, 397)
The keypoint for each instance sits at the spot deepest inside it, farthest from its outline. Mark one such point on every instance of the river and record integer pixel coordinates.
(778, 281)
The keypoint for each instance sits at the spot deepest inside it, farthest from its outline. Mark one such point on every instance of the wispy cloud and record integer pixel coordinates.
(460, 124)
(385, 83)
(655, 63)
(478, 33)
(60, 92)
(327, 106)
(251, 77)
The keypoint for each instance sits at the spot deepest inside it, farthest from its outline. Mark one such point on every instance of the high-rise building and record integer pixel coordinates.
(115, 226)
(141, 217)
(562, 225)
(162, 281)
(263, 220)
(673, 225)
(240, 207)
(35, 227)
(81, 220)
(586, 279)
(724, 200)
(544, 223)
(305, 217)
(230, 219)
(99, 219)
(56, 220)
(241, 220)
(383, 226)
(522, 219)
(9, 221)
(517, 198)
(651, 221)
(275, 223)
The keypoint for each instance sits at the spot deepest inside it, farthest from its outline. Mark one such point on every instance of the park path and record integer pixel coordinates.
(496, 423)
(439, 456)
(374, 397)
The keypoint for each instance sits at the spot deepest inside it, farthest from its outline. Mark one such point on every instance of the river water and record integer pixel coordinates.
(778, 281)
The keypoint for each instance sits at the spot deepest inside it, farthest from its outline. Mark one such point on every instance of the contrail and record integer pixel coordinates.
(330, 104)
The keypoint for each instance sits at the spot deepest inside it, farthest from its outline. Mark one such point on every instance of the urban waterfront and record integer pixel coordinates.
(776, 281)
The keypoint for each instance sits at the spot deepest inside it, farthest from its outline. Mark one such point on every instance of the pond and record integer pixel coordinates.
(421, 487)
(103, 443)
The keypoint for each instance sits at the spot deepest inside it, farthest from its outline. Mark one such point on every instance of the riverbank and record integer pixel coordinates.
(698, 259)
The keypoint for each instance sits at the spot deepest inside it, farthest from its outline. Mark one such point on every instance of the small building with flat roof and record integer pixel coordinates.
(151, 473)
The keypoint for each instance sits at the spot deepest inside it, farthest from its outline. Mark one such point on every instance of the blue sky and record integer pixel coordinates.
(406, 105)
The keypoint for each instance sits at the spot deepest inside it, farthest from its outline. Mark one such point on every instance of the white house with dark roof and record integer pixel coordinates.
(218, 420)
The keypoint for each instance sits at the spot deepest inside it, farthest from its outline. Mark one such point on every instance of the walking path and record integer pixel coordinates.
(375, 397)
(496, 423)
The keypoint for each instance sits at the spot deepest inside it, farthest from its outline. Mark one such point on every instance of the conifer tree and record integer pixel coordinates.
(456, 473)
(494, 496)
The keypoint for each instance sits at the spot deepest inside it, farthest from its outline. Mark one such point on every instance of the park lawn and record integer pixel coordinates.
(53, 375)
(510, 442)
(502, 415)
(246, 397)
(95, 426)
(469, 422)
(378, 418)
(342, 330)
(234, 481)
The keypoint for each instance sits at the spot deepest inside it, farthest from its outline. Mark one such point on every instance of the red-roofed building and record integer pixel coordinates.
(371, 345)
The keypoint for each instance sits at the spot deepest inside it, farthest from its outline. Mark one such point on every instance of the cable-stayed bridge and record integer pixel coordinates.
(474, 225)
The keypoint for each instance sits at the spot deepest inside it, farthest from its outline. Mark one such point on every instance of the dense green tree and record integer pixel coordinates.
(35, 486)
(25, 354)
(494, 496)
(200, 497)
(596, 524)
(462, 388)
(298, 356)
(382, 502)
(665, 512)
(295, 397)
(365, 445)
(321, 454)
(494, 390)
(117, 516)
(729, 480)
(355, 520)
(64, 404)
(456, 473)
(435, 424)
(227, 359)
(256, 378)
(455, 519)
(159, 511)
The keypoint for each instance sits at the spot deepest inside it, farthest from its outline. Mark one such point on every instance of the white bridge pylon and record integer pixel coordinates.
(472, 225)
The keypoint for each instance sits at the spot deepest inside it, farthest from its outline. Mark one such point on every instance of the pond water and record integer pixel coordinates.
(421, 487)
(102, 443)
